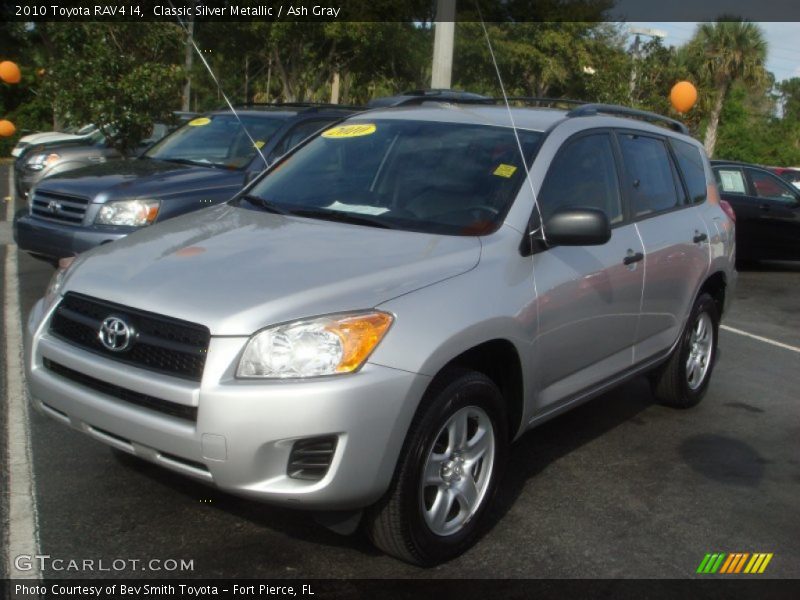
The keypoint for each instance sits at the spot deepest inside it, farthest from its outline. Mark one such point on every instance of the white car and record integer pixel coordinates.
(48, 137)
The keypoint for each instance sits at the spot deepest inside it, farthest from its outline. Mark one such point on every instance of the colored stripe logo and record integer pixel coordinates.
(734, 563)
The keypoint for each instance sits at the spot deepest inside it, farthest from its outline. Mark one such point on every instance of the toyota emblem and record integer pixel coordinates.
(115, 334)
(54, 206)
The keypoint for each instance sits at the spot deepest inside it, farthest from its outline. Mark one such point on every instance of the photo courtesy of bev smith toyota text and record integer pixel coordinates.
(428, 297)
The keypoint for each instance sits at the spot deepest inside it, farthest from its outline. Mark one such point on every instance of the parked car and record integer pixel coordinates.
(43, 160)
(205, 162)
(767, 211)
(790, 175)
(365, 328)
(51, 136)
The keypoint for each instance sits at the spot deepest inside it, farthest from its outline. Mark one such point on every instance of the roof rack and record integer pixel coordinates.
(541, 101)
(293, 105)
(589, 110)
(412, 97)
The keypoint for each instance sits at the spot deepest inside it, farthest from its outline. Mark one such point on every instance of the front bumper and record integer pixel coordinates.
(245, 430)
(56, 240)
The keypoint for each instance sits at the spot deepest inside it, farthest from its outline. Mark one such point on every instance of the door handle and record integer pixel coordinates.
(699, 237)
(764, 206)
(633, 257)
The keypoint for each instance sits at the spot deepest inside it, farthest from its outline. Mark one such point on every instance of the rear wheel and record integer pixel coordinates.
(683, 380)
(447, 474)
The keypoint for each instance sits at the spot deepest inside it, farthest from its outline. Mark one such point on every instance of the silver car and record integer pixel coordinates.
(366, 328)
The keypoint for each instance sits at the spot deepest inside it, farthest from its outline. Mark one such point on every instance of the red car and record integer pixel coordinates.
(789, 174)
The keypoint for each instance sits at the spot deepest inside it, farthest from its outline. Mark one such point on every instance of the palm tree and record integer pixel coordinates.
(728, 51)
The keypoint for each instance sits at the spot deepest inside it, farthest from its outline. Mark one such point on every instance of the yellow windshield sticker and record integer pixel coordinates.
(259, 144)
(505, 170)
(350, 131)
(199, 122)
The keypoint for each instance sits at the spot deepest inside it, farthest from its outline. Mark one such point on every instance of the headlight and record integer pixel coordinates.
(136, 213)
(38, 162)
(323, 346)
(65, 265)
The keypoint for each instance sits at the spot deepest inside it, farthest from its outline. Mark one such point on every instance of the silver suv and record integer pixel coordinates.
(366, 328)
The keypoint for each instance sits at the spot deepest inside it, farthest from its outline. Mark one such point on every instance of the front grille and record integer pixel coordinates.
(173, 409)
(63, 208)
(160, 343)
(311, 458)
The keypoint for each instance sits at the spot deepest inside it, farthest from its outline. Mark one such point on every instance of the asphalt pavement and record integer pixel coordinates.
(620, 487)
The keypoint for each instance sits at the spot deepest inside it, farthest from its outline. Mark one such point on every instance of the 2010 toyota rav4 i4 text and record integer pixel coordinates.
(366, 327)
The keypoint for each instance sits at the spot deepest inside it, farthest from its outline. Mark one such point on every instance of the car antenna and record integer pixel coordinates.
(219, 86)
(540, 229)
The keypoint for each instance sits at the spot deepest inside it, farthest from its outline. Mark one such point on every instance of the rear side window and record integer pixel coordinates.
(583, 175)
(650, 176)
(690, 162)
(730, 181)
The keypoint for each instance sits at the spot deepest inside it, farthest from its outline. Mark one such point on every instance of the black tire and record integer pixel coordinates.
(396, 524)
(670, 382)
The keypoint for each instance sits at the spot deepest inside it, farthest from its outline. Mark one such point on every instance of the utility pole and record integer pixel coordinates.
(635, 52)
(246, 78)
(444, 34)
(188, 58)
(639, 31)
(335, 87)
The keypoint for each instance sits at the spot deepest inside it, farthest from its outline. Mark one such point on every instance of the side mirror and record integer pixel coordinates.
(577, 227)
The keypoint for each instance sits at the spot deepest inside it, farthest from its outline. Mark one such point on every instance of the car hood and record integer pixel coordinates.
(237, 270)
(141, 178)
(49, 136)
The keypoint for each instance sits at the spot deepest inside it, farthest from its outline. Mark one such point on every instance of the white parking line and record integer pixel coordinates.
(761, 338)
(23, 530)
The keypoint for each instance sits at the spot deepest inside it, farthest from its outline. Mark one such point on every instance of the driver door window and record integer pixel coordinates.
(583, 175)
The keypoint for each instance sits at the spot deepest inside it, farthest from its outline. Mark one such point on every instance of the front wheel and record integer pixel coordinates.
(447, 474)
(682, 381)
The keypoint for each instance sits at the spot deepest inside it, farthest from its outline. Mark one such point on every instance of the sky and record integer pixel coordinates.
(783, 58)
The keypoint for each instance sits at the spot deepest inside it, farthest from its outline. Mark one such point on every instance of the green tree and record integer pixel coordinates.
(535, 59)
(20, 103)
(726, 52)
(121, 76)
(789, 91)
(295, 61)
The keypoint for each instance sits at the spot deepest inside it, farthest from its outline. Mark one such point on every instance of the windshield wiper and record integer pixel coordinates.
(265, 204)
(342, 217)
(186, 161)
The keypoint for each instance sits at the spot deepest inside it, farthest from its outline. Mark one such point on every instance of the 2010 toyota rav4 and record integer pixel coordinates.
(369, 325)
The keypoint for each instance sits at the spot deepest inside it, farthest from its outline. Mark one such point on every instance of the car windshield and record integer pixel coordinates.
(216, 141)
(425, 176)
(96, 138)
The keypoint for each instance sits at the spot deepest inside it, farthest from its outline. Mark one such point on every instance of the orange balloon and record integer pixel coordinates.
(683, 96)
(7, 128)
(9, 72)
